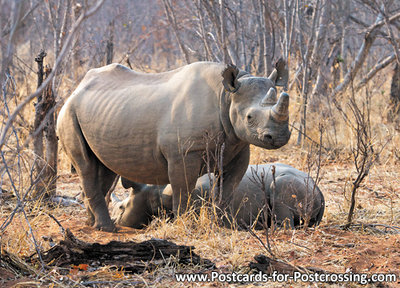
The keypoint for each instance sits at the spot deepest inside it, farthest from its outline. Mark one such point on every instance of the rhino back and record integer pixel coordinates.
(132, 120)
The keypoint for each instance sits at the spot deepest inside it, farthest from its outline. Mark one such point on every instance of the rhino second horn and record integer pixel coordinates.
(273, 76)
(280, 110)
(270, 98)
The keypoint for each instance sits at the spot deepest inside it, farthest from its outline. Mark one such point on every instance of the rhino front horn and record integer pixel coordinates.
(280, 111)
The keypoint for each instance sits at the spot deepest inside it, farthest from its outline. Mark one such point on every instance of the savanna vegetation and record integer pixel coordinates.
(344, 86)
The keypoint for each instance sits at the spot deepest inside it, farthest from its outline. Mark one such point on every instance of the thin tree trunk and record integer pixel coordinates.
(76, 49)
(345, 12)
(7, 48)
(242, 36)
(260, 36)
(46, 164)
(394, 112)
(269, 39)
(207, 49)
(227, 59)
(50, 138)
(169, 12)
(110, 44)
(317, 53)
(38, 148)
(306, 76)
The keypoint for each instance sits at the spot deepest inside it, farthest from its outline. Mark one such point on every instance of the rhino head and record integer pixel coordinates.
(256, 114)
(143, 202)
(137, 210)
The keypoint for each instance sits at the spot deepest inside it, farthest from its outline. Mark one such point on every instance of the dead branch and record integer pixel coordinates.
(266, 247)
(369, 37)
(15, 264)
(269, 266)
(387, 229)
(378, 67)
(58, 223)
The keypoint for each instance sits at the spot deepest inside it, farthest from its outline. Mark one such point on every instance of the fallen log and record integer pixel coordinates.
(131, 256)
(15, 265)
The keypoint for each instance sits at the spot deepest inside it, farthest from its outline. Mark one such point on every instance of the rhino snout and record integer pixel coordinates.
(267, 137)
(282, 139)
(274, 141)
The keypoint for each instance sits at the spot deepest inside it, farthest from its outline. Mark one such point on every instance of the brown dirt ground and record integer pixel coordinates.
(327, 247)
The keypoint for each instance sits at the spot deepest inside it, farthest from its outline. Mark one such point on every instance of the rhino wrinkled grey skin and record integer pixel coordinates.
(293, 196)
(150, 128)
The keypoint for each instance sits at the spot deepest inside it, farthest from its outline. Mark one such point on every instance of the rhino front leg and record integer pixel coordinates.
(183, 174)
(232, 175)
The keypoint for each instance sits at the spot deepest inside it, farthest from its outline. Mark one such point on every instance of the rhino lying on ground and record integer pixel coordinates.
(293, 196)
(151, 128)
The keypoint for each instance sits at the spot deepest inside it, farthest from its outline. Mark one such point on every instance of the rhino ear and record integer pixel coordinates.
(280, 75)
(229, 76)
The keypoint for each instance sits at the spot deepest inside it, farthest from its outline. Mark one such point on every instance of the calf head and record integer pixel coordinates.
(256, 114)
(138, 209)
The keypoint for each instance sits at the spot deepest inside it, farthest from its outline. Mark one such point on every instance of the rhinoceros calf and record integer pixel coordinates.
(143, 202)
(150, 128)
(293, 196)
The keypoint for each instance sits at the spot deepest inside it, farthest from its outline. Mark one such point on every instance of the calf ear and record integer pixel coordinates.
(280, 75)
(229, 76)
(126, 183)
(130, 184)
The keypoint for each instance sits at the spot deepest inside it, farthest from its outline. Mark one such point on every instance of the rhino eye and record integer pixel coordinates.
(249, 117)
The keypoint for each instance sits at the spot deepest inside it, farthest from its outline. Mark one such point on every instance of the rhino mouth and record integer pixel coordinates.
(268, 141)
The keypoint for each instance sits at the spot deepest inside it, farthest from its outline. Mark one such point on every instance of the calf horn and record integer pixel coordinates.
(270, 98)
(280, 111)
(115, 199)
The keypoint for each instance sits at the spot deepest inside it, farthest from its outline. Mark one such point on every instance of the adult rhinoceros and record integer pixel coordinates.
(287, 193)
(150, 128)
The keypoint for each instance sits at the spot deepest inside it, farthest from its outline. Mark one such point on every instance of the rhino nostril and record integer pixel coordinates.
(267, 137)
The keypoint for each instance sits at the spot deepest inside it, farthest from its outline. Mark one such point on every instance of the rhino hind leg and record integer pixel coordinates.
(96, 182)
(96, 179)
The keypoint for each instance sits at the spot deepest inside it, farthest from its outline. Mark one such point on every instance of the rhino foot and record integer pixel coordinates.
(109, 227)
(89, 221)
